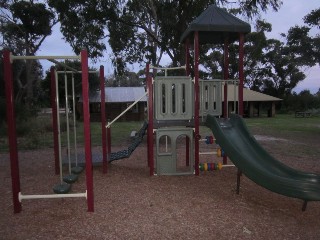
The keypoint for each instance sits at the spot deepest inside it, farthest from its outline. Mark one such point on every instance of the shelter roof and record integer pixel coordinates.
(214, 25)
(249, 95)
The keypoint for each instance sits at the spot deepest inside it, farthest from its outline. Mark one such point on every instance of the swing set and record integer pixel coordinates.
(62, 187)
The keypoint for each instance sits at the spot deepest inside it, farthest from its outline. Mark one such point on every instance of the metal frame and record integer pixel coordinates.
(12, 136)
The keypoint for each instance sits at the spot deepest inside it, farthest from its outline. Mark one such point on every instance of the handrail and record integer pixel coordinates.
(127, 109)
(168, 68)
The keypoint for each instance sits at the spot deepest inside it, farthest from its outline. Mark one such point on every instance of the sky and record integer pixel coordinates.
(290, 14)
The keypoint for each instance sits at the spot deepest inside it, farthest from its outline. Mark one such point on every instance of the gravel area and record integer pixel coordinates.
(129, 204)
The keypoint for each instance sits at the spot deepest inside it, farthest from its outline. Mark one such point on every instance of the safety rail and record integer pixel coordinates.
(165, 69)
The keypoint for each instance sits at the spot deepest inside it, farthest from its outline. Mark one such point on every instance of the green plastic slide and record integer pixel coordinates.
(258, 165)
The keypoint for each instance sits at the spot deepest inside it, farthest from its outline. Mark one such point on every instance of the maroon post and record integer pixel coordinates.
(12, 133)
(225, 77)
(86, 129)
(103, 121)
(150, 122)
(187, 56)
(187, 59)
(53, 98)
(241, 75)
(196, 96)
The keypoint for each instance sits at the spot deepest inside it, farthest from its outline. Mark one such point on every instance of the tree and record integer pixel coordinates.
(24, 26)
(139, 30)
(313, 20)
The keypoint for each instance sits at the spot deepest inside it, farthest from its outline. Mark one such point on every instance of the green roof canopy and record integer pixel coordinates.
(214, 25)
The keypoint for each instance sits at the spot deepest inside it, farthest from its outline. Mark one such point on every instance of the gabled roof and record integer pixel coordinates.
(249, 95)
(118, 95)
(214, 25)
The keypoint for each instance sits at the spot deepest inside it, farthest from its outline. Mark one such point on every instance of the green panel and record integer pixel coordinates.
(173, 98)
(210, 97)
(258, 165)
(166, 161)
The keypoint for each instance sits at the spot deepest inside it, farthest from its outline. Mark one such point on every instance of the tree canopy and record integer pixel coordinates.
(24, 26)
(138, 30)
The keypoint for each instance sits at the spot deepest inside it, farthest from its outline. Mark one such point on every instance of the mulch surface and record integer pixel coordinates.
(129, 204)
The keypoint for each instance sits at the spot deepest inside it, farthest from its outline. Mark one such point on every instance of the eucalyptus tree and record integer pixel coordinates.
(138, 30)
(24, 26)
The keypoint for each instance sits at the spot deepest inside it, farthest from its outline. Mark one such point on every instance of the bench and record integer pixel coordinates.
(302, 114)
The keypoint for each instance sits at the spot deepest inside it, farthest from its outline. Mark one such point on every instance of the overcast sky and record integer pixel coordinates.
(290, 14)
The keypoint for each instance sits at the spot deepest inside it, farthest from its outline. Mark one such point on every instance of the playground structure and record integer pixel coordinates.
(173, 117)
(177, 106)
(8, 77)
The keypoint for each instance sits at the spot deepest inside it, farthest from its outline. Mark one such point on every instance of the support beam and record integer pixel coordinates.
(86, 129)
(12, 133)
(103, 121)
(304, 206)
(150, 122)
(239, 173)
(241, 74)
(53, 92)
(196, 100)
(225, 76)
(187, 63)
(225, 89)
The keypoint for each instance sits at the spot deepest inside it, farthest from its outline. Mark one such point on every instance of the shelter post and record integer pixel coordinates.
(225, 76)
(187, 63)
(241, 74)
(103, 121)
(150, 121)
(196, 96)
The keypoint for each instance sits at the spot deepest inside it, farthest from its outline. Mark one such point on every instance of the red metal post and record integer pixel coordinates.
(187, 56)
(241, 74)
(103, 121)
(196, 105)
(150, 121)
(225, 77)
(54, 120)
(86, 129)
(187, 59)
(12, 133)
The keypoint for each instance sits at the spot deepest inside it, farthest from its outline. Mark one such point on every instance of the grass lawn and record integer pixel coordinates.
(38, 132)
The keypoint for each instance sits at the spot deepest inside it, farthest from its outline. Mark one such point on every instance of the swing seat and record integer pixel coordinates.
(77, 170)
(62, 188)
(71, 178)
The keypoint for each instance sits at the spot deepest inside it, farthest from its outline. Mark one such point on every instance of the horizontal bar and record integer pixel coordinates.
(207, 153)
(47, 196)
(218, 80)
(43, 57)
(64, 65)
(167, 68)
(128, 108)
(77, 72)
(228, 165)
